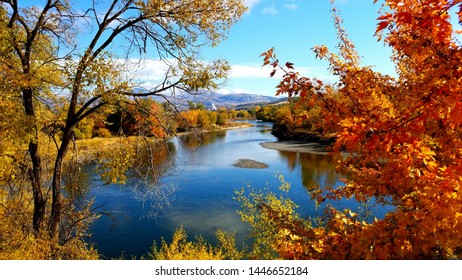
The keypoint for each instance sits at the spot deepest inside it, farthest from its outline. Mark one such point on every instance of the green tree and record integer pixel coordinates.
(221, 118)
(264, 113)
(213, 116)
(253, 112)
(243, 114)
(195, 106)
(232, 114)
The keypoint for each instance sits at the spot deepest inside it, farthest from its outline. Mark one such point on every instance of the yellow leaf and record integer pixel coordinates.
(346, 123)
(318, 246)
(431, 165)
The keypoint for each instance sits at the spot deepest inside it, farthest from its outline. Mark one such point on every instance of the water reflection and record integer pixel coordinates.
(152, 160)
(193, 140)
(76, 180)
(206, 221)
(195, 188)
(149, 161)
(315, 169)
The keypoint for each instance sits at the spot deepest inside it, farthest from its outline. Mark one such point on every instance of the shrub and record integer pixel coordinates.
(102, 132)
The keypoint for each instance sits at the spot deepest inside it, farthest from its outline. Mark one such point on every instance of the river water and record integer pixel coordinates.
(197, 190)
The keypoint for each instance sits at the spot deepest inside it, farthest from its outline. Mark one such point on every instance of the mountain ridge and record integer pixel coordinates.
(213, 100)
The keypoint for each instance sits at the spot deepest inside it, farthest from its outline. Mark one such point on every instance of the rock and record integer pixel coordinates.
(249, 163)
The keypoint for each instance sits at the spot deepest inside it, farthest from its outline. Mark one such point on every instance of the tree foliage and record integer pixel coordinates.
(61, 63)
(148, 118)
(260, 209)
(182, 249)
(402, 134)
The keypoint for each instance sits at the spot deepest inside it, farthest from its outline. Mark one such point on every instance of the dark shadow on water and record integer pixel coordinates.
(315, 168)
(193, 140)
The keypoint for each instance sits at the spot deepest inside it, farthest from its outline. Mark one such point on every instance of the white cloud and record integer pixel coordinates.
(291, 6)
(244, 78)
(147, 70)
(271, 10)
(251, 3)
(155, 70)
(256, 71)
(232, 90)
(246, 71)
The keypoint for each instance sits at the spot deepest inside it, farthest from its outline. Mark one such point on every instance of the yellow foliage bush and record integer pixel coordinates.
(18, 241)
(182, 249)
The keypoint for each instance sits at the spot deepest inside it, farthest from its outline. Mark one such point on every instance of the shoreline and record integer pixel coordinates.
(297, 146)
(92, 148)
(227, 126)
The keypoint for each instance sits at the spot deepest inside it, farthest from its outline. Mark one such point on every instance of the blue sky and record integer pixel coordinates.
(293, 27)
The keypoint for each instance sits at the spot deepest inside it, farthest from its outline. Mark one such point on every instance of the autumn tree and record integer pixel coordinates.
(243, 114)
(146, 117)
(80, 57)
(402, 135)
(266, 113)
(221, 118)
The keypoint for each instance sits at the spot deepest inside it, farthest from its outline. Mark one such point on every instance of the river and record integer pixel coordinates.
(197, 190)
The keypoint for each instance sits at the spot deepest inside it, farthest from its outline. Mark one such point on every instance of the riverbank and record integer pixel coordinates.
(297, 146)
(96, 148)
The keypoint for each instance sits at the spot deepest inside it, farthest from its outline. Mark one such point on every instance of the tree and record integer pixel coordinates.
(182, 249)
(221, 118)
(265, 113)
(402, 135)
(195, 106)
(146, 117)
(45, 64)
(243, 114)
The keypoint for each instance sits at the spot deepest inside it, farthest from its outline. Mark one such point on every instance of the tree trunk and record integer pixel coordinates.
(56, 202)
(34, 174)
(36, 171)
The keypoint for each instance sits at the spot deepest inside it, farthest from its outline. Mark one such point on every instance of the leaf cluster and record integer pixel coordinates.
(402, 134)
(182, 249)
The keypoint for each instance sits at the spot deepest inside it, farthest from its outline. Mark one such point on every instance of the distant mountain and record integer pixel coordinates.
(218, 100)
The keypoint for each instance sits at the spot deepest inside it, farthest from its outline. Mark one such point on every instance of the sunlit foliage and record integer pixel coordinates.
(182, 249)
(269, 215)
(60, 66)
(402, 135)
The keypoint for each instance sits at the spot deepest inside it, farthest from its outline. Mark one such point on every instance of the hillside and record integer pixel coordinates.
(218, 100)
